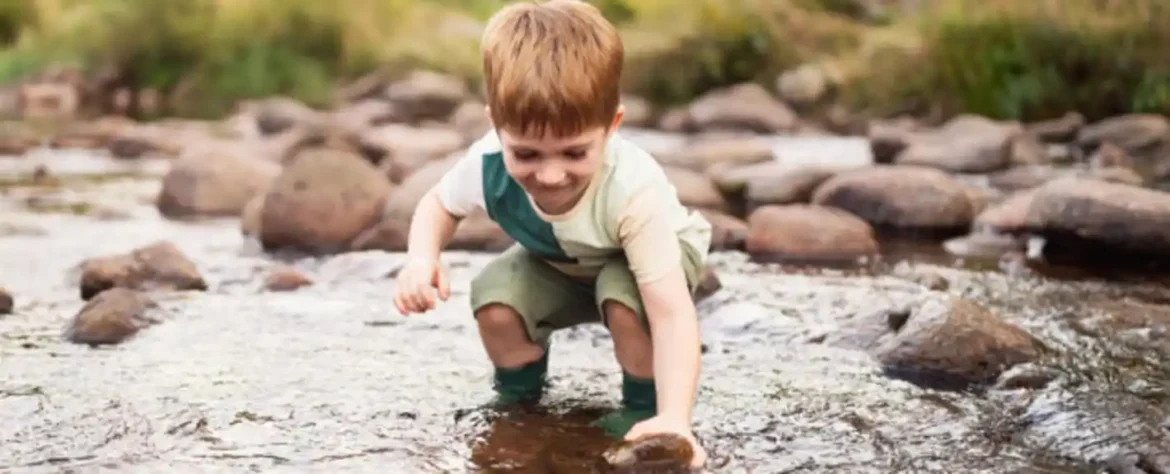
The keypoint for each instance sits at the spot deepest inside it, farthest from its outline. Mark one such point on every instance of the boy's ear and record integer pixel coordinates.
(617, 118)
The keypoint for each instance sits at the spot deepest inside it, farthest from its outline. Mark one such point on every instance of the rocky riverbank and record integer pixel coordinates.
(213, 294)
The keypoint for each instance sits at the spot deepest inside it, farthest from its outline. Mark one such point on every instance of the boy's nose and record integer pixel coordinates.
(550, 176)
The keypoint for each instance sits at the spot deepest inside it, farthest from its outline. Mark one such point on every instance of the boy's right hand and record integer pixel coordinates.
(417, 282)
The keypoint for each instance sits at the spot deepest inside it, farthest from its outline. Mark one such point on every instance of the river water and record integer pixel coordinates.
(331, 379)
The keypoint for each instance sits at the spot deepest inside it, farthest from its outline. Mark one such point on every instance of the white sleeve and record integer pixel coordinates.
(460, 190)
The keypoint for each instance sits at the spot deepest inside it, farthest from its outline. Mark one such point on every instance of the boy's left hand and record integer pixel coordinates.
(664, 425)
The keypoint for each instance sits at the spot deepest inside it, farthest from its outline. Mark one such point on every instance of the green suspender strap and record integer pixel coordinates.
(508, 205)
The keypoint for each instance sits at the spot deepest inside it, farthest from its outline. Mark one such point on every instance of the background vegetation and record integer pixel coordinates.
(1004, 58)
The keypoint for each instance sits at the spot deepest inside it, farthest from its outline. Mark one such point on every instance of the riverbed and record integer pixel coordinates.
(330, 378)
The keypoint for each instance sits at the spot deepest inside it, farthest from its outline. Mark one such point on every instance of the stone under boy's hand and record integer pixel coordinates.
(666, 425)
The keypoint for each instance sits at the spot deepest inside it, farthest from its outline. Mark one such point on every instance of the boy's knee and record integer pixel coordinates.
(620, 318)
(498, 316)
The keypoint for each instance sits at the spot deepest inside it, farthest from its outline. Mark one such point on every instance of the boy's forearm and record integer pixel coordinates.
(431, 227)
(675, 340)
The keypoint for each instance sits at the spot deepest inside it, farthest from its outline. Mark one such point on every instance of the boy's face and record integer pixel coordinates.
(555, 171)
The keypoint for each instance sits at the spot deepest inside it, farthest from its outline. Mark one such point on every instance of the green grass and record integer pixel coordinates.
(1002, 58)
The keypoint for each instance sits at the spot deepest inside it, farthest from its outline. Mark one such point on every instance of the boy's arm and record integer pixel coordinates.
(652, 248)
(438, 213)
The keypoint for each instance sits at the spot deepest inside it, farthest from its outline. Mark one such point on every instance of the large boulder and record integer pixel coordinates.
(158, 266)
(802, 232)
(901, 197)
(211, 182)
(321, 202)
(938, 341)
(1108, 217)
(967, 144)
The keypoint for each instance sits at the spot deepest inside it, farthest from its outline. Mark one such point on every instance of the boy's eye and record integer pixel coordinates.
(575, 154)
(526, 155)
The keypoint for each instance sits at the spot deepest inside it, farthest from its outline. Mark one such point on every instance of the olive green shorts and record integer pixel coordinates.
(547, 299)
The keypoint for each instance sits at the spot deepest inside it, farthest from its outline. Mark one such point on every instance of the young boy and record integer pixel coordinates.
(600, 232)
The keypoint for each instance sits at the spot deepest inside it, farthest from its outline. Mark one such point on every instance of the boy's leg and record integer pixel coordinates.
(620, 302)
(518, 301)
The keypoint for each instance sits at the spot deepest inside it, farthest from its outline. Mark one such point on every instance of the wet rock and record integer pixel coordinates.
(274, 115)
(250, 216)
(707, 151)
(355, 117)
(6, 302)
(110, 317)
(965, 144)
(887, 138)
(746, 106)
(787, 185)
(984, 244)
(938, 341)
(658, 453)
(285, 278)
(900, 197)
(695, 189)
(1025, 177)
(1110, 155)
(1058, 130)
(1026, 376)
(427, 95)
(727, 232)
(1093, 427)
(803, 232)
(1130, 132)
(1111, 216)
(49, 100)
(158, 266)
(405, 143)
(212, 183)
(1027, 149)
(16, 139)
(321, 202)
(471, 120)
(1137, 463)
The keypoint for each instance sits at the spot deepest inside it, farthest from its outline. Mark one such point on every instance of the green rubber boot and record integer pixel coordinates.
(520, 386)
(639, 402)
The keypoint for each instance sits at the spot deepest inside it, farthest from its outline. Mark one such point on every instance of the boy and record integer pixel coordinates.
(599, 228)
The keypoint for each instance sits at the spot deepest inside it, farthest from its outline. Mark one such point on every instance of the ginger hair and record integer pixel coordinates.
(551, 68)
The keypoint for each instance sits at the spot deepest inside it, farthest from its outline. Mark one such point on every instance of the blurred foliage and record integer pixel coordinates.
(1003, 58)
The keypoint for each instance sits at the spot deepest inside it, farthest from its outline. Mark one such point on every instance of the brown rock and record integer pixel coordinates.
(650, 453)
(1109, 155)
(939, 341)
(274, 115)
(965, 144)
(321, 202)
(250, 216)
(1027, 149)
(1058, 130)
(405, 197)
(745, 106)
(6, 302)
(887, 138)
(427, 95)
(900, 197)
(286, 278)
(710, 150)
(727, 232)
(677, 120)
(1117, 217)
(1006, 216)
(803, 85)
(49, 100)
(808, 233)
(110, 317)
(404, 143)
(158, 266)
(1130, 132)
(792, 184)
(470, 120)
(212, 183)
(708, 286)
(1025, 177)
(695, 189)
